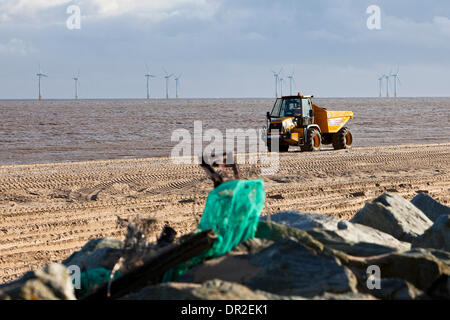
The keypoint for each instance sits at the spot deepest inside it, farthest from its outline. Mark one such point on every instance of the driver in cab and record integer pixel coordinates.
(293, 109)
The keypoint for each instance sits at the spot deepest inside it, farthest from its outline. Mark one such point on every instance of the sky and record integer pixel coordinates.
(223, 48)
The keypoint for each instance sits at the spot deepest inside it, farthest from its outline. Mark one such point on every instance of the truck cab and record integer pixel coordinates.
(296, 106)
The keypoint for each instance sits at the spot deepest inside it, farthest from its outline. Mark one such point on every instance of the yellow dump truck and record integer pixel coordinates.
(296, 121)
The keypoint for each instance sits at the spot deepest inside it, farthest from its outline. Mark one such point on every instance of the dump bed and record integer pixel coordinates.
(330, 121)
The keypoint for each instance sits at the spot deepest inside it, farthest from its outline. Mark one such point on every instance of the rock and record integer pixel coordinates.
(286, 268)
(274, 232)
(97, 253)
(325, 296)
(437, 236)
(432, 208)
(165, 291)
(232, 268)
(442, 255)
(210, 290)
(394, 215)
(351, 238)
(440, 289)
(302, 221)
(53, 282)
(418, 266)
(342, 225)
(289, 268)
(339, 241)
(224, 290)
(397, 289)
(345, 296)
(251, 246)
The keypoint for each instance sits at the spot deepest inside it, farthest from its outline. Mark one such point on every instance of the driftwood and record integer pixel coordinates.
(217, 178)
(153, 270)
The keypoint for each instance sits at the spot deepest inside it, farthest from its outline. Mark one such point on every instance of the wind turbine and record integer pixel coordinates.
(177, 79)
(387, 84)
(291, 79)
(396, 78)
(167, 77)
(276, 76)
(281, 86)
(40, 75)
(76, 78)
(148, 76)
(380, 82)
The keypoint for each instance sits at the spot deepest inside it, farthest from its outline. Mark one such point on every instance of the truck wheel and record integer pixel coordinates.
(313, 141)
(343, 139)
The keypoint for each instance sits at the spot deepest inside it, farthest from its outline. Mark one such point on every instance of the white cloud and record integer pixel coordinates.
(118, 7)
(16, 47)
(12, 8)
(156, 10)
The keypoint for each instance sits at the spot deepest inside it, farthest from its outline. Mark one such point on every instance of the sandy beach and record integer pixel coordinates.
(50, 210)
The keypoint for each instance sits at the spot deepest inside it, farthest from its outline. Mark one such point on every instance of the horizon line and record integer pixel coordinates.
(213, 98)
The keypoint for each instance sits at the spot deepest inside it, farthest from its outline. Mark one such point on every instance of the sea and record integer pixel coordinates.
(83, 130)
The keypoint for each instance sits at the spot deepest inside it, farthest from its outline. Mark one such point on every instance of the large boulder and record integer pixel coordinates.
(52, 282)
(286, 267)
(432, 208)
(437, 236)
(418, 266)
(351, 238)
(97, 253)
(394, 215)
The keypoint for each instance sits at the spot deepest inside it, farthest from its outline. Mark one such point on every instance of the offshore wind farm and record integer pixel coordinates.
(148, 76)
(387, 78)
(387, 83)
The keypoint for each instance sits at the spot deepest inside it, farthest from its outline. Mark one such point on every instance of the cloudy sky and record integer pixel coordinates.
(224, 48)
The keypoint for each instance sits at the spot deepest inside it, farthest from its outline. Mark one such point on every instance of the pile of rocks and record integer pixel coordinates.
(390, 249)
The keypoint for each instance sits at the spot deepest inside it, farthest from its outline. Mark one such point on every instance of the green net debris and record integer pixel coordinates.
(232, 210)
(92, 278)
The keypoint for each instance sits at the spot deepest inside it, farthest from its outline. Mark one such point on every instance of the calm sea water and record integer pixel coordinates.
(56, 131)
